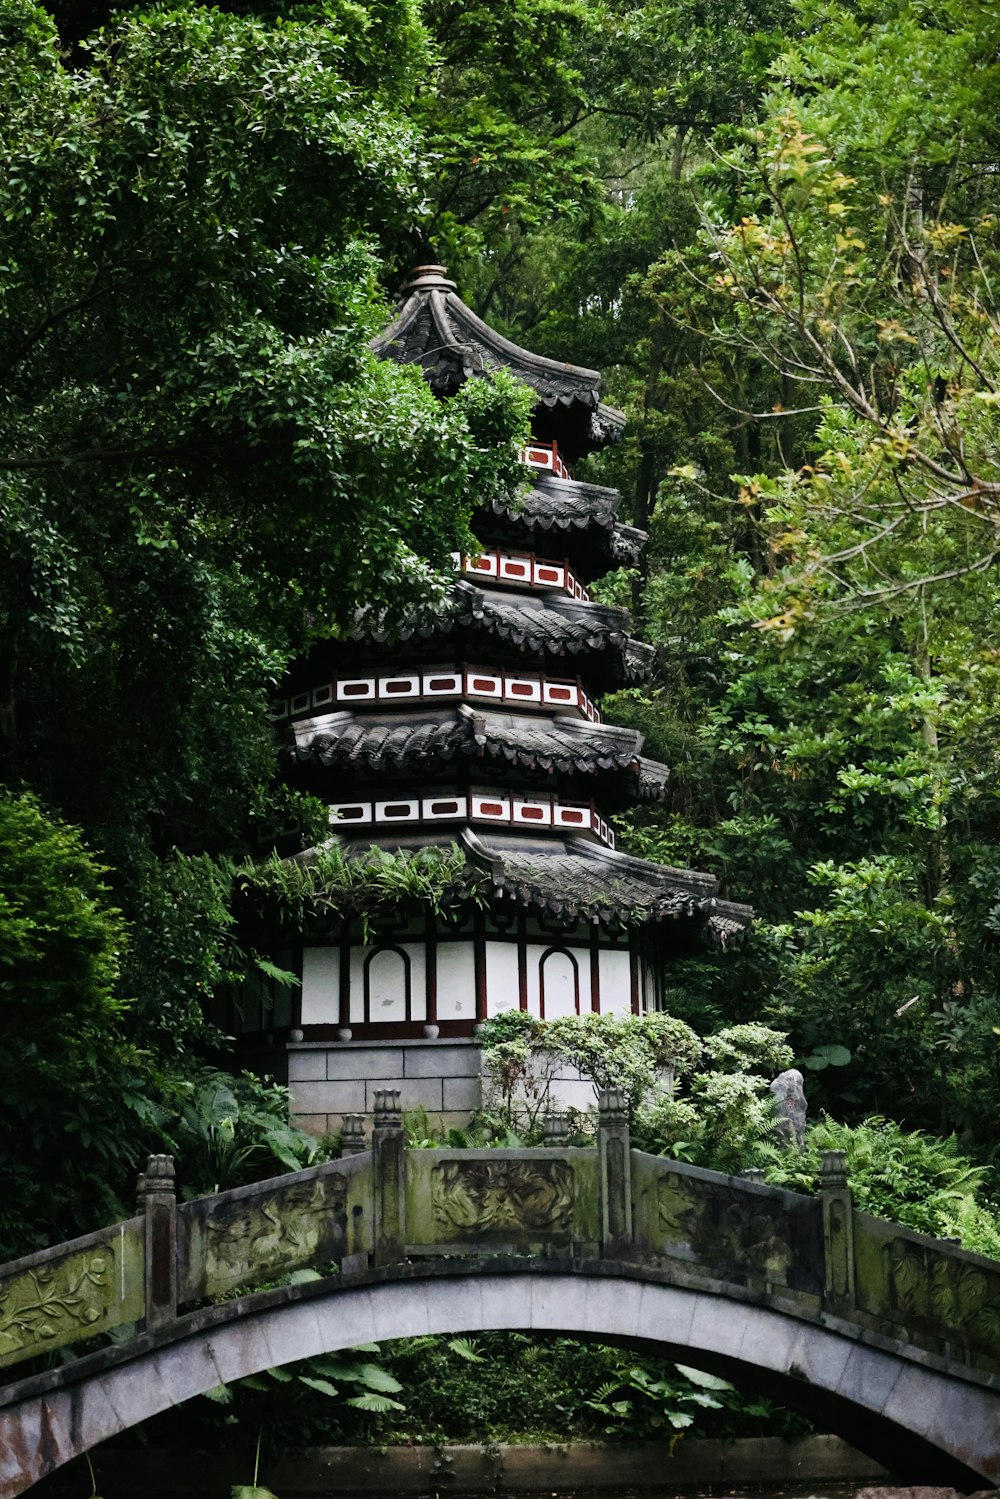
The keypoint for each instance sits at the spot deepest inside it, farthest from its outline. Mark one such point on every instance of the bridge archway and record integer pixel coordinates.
(918, 1421)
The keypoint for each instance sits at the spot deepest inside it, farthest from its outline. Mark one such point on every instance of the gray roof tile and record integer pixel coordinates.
(373, 742)
(573, 878)
(555, 507)
(434, 329)
(544, 626)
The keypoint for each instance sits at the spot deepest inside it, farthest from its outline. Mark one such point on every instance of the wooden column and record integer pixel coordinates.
(633, 973)
(431, 968)
(479, 958)
(344, 1010)
(595, 969)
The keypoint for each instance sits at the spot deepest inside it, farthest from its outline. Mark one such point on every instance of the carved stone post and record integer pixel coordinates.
(753, 1174)
(838, 1231)
(389, 1164)
(615, 1174)
(352, 1134)
(158, 1203)
(555, 1130)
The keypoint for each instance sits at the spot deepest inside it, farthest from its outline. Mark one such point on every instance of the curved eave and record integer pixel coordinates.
(435, 329)
(582, 516)
(577, 880)
(545, 627)
(572, 880)
(369, 745)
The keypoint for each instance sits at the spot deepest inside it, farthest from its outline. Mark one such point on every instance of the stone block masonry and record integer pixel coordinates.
(443, 1076)
(331, 1079)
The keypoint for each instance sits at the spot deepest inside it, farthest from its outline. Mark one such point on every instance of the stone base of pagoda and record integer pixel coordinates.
(328, 1080)
(444, 1077)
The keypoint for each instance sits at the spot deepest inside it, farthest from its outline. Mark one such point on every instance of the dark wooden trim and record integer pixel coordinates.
(522, 962)
(479, 959)
(431, 967)
(633, 967)
(595, 973)
(345, 976)
(295, 1009)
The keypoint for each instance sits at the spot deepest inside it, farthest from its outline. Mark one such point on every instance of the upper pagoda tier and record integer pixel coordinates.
(434, 329)
(472, 722)
(564, 516)
(472, 725)
(545, 628)
(462, 745)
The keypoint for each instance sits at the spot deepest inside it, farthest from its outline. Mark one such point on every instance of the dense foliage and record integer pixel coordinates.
(496, 1387)
(202, 468)
(703, 1100)
(796, 293)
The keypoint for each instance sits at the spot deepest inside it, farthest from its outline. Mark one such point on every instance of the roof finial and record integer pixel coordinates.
(429, 278)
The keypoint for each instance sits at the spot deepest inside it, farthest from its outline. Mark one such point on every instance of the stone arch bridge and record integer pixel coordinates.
(888, 1336)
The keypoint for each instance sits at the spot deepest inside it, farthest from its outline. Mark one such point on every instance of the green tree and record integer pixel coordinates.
(202, 466)
(828, 691)
(65, 1036)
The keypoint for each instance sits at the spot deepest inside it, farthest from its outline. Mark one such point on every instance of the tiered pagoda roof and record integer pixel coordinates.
(563, 514)
(376, 743)
(434, 328)
(546, 625)
(469, 721)
(573, 878)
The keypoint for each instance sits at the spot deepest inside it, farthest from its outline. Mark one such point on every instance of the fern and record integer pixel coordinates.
(465, 1349)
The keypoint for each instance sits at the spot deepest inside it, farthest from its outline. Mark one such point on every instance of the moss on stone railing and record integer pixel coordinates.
(380, 1205)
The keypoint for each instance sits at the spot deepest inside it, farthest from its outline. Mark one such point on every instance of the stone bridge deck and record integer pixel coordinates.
(888, 1336)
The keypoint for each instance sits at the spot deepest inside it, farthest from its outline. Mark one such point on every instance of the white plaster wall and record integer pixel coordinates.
(320, 985)
(616, 983)
(559, 996)
(562, 981)
(456, 981)
(502, 992)
(388, 999)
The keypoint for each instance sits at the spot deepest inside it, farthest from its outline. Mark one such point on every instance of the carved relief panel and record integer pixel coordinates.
(491, 1197)
(61, 1300)
(740, 1235)
(933, 1293)
(245, 1238)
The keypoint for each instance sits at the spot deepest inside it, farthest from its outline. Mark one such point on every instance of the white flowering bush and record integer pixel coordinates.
(704, 1100)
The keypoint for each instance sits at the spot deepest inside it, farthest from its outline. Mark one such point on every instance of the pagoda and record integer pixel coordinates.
(476, 724)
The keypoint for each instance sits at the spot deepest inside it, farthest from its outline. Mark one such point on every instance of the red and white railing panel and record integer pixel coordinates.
(501, 808)
(523, 570)
(545, 455)
(555, 694)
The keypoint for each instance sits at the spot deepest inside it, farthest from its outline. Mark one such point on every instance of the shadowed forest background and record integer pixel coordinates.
(774, 227)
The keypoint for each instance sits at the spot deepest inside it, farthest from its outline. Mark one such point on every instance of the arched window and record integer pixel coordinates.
(387, 985)
(558, 984)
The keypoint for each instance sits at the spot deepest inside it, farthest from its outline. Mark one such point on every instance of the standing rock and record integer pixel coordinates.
(791, 1102)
